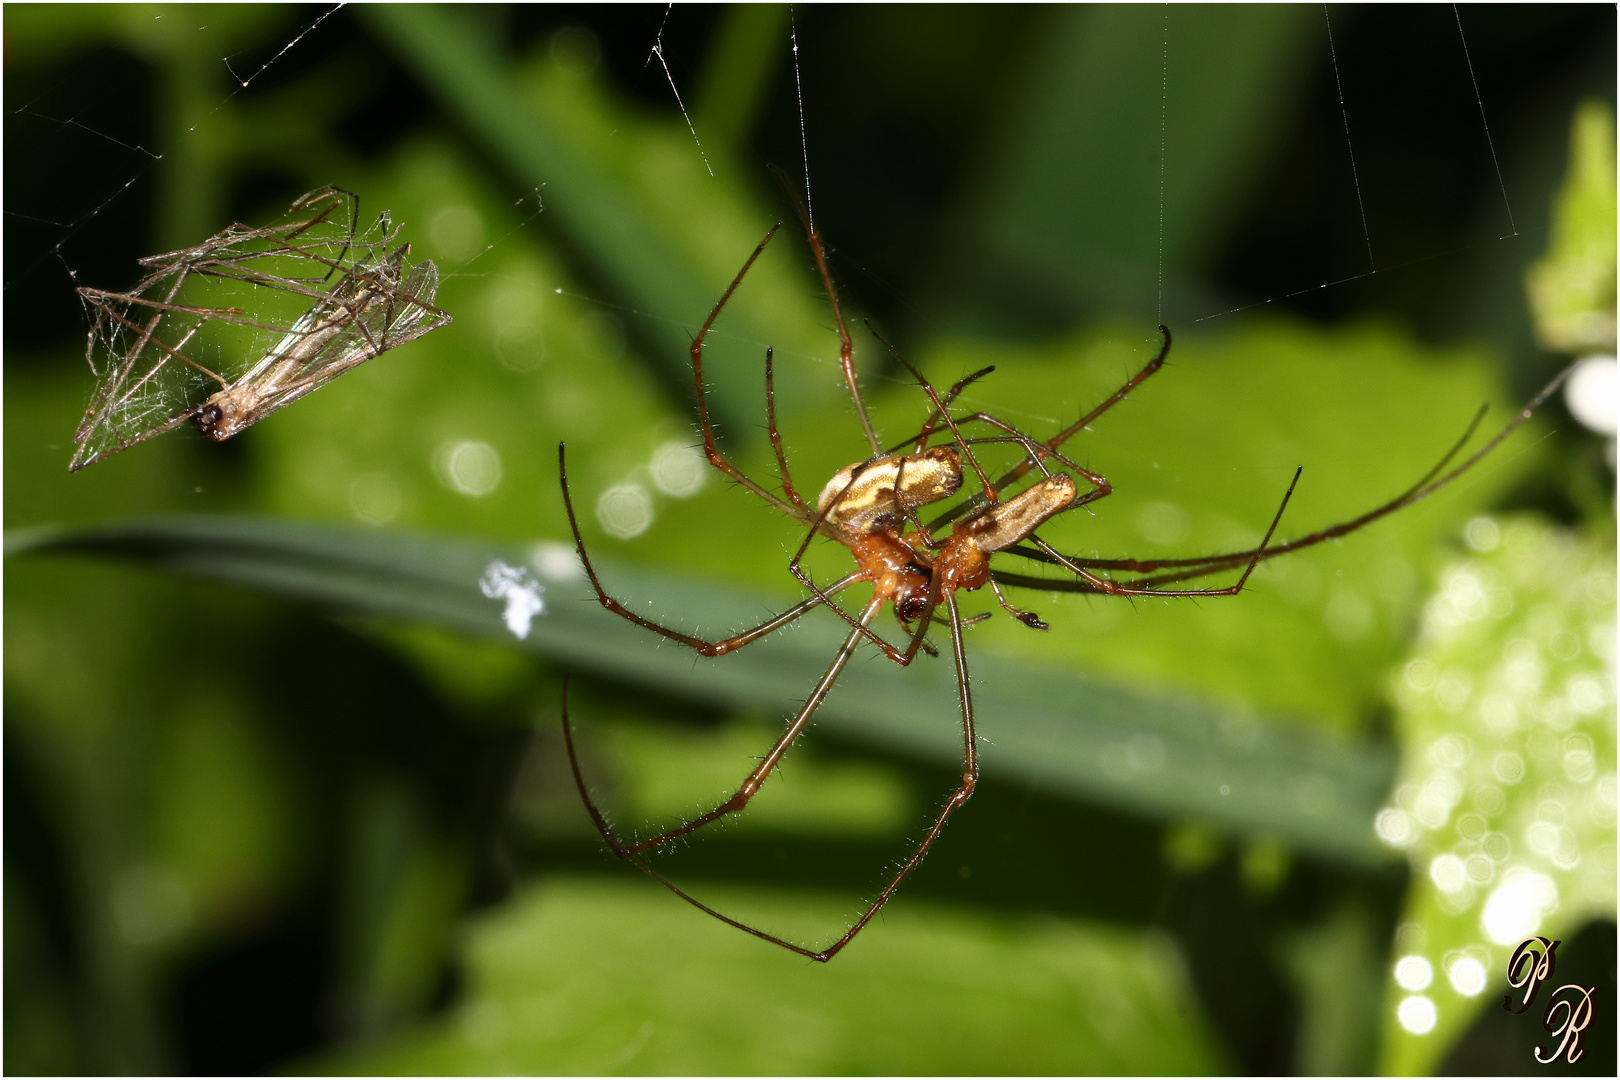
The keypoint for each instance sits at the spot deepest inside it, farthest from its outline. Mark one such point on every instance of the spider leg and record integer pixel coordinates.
(755, 780)
(1037, 453)
(716, 458)
(846, 347)
(926, 647)
(818, 595)
(1189, 568)
(1119, 395)
(637, 861)
(939, 407)
(1020, 470)
(970, 779)
(1137, 589)
(907, 511)
(776, 436)
(703, 646)
(932, 423)
(1028, 618)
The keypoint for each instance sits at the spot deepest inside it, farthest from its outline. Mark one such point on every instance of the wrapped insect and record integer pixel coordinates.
(227, 332)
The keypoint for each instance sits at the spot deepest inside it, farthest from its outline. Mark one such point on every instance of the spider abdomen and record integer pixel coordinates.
(867, 495)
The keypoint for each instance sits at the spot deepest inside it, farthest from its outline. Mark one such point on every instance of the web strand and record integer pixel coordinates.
(658, 51)
(1344, 114)
(1389, 268)
(73, 122)
(1486, 124)
(1164, 114)
(804, 138)
(73, 227)
(264, 66)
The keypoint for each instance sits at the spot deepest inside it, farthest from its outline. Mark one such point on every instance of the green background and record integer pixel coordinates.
(303, 807)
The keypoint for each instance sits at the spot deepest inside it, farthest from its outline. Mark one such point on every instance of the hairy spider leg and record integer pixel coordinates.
(1115, 589)
(712, 451)
(756, 779)
(932, 423)
(970, 777)
(701, 645)
(846, 345)
(776, 435)
(1020, 470)
(1184, 569)
(861, 627)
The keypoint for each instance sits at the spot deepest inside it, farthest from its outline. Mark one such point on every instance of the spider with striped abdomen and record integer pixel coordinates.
(872, 508)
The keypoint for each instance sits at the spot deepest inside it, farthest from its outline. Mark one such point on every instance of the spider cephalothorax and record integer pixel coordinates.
(871, 508)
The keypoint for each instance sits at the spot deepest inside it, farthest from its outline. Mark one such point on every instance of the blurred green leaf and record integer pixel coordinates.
(1572, 289)
(1068, 212)
(404, 890)
(588, 978)
(1062, 730)
(40, 1021)
(226, 822)
(666, 774)
(1337, 965)
(1505, 803)
(735, 84)
(625, 191)
(1199, 458)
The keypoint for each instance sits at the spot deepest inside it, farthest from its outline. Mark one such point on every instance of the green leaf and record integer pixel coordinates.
(1572, 288)
(1505, 803)
(589, 978)
(1060, 729)
(1068, 214)
(1199, 457)
(632, 194)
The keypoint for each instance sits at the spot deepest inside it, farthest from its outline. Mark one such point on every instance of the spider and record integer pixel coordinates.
(380, 299)
(871, 507)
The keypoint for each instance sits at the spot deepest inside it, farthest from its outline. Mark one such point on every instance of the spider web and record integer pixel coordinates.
(82, 212)
(255, 316)
(1386, 256)
(81, 233)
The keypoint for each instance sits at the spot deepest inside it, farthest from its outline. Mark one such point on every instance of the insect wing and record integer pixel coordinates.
(408, 313)
(139, 353)
(273, 312)
(370, 312)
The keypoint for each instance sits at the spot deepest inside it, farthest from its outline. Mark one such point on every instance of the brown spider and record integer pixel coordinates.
(870, 507)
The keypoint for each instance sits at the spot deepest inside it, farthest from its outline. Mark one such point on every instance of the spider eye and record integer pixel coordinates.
(912, 607)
